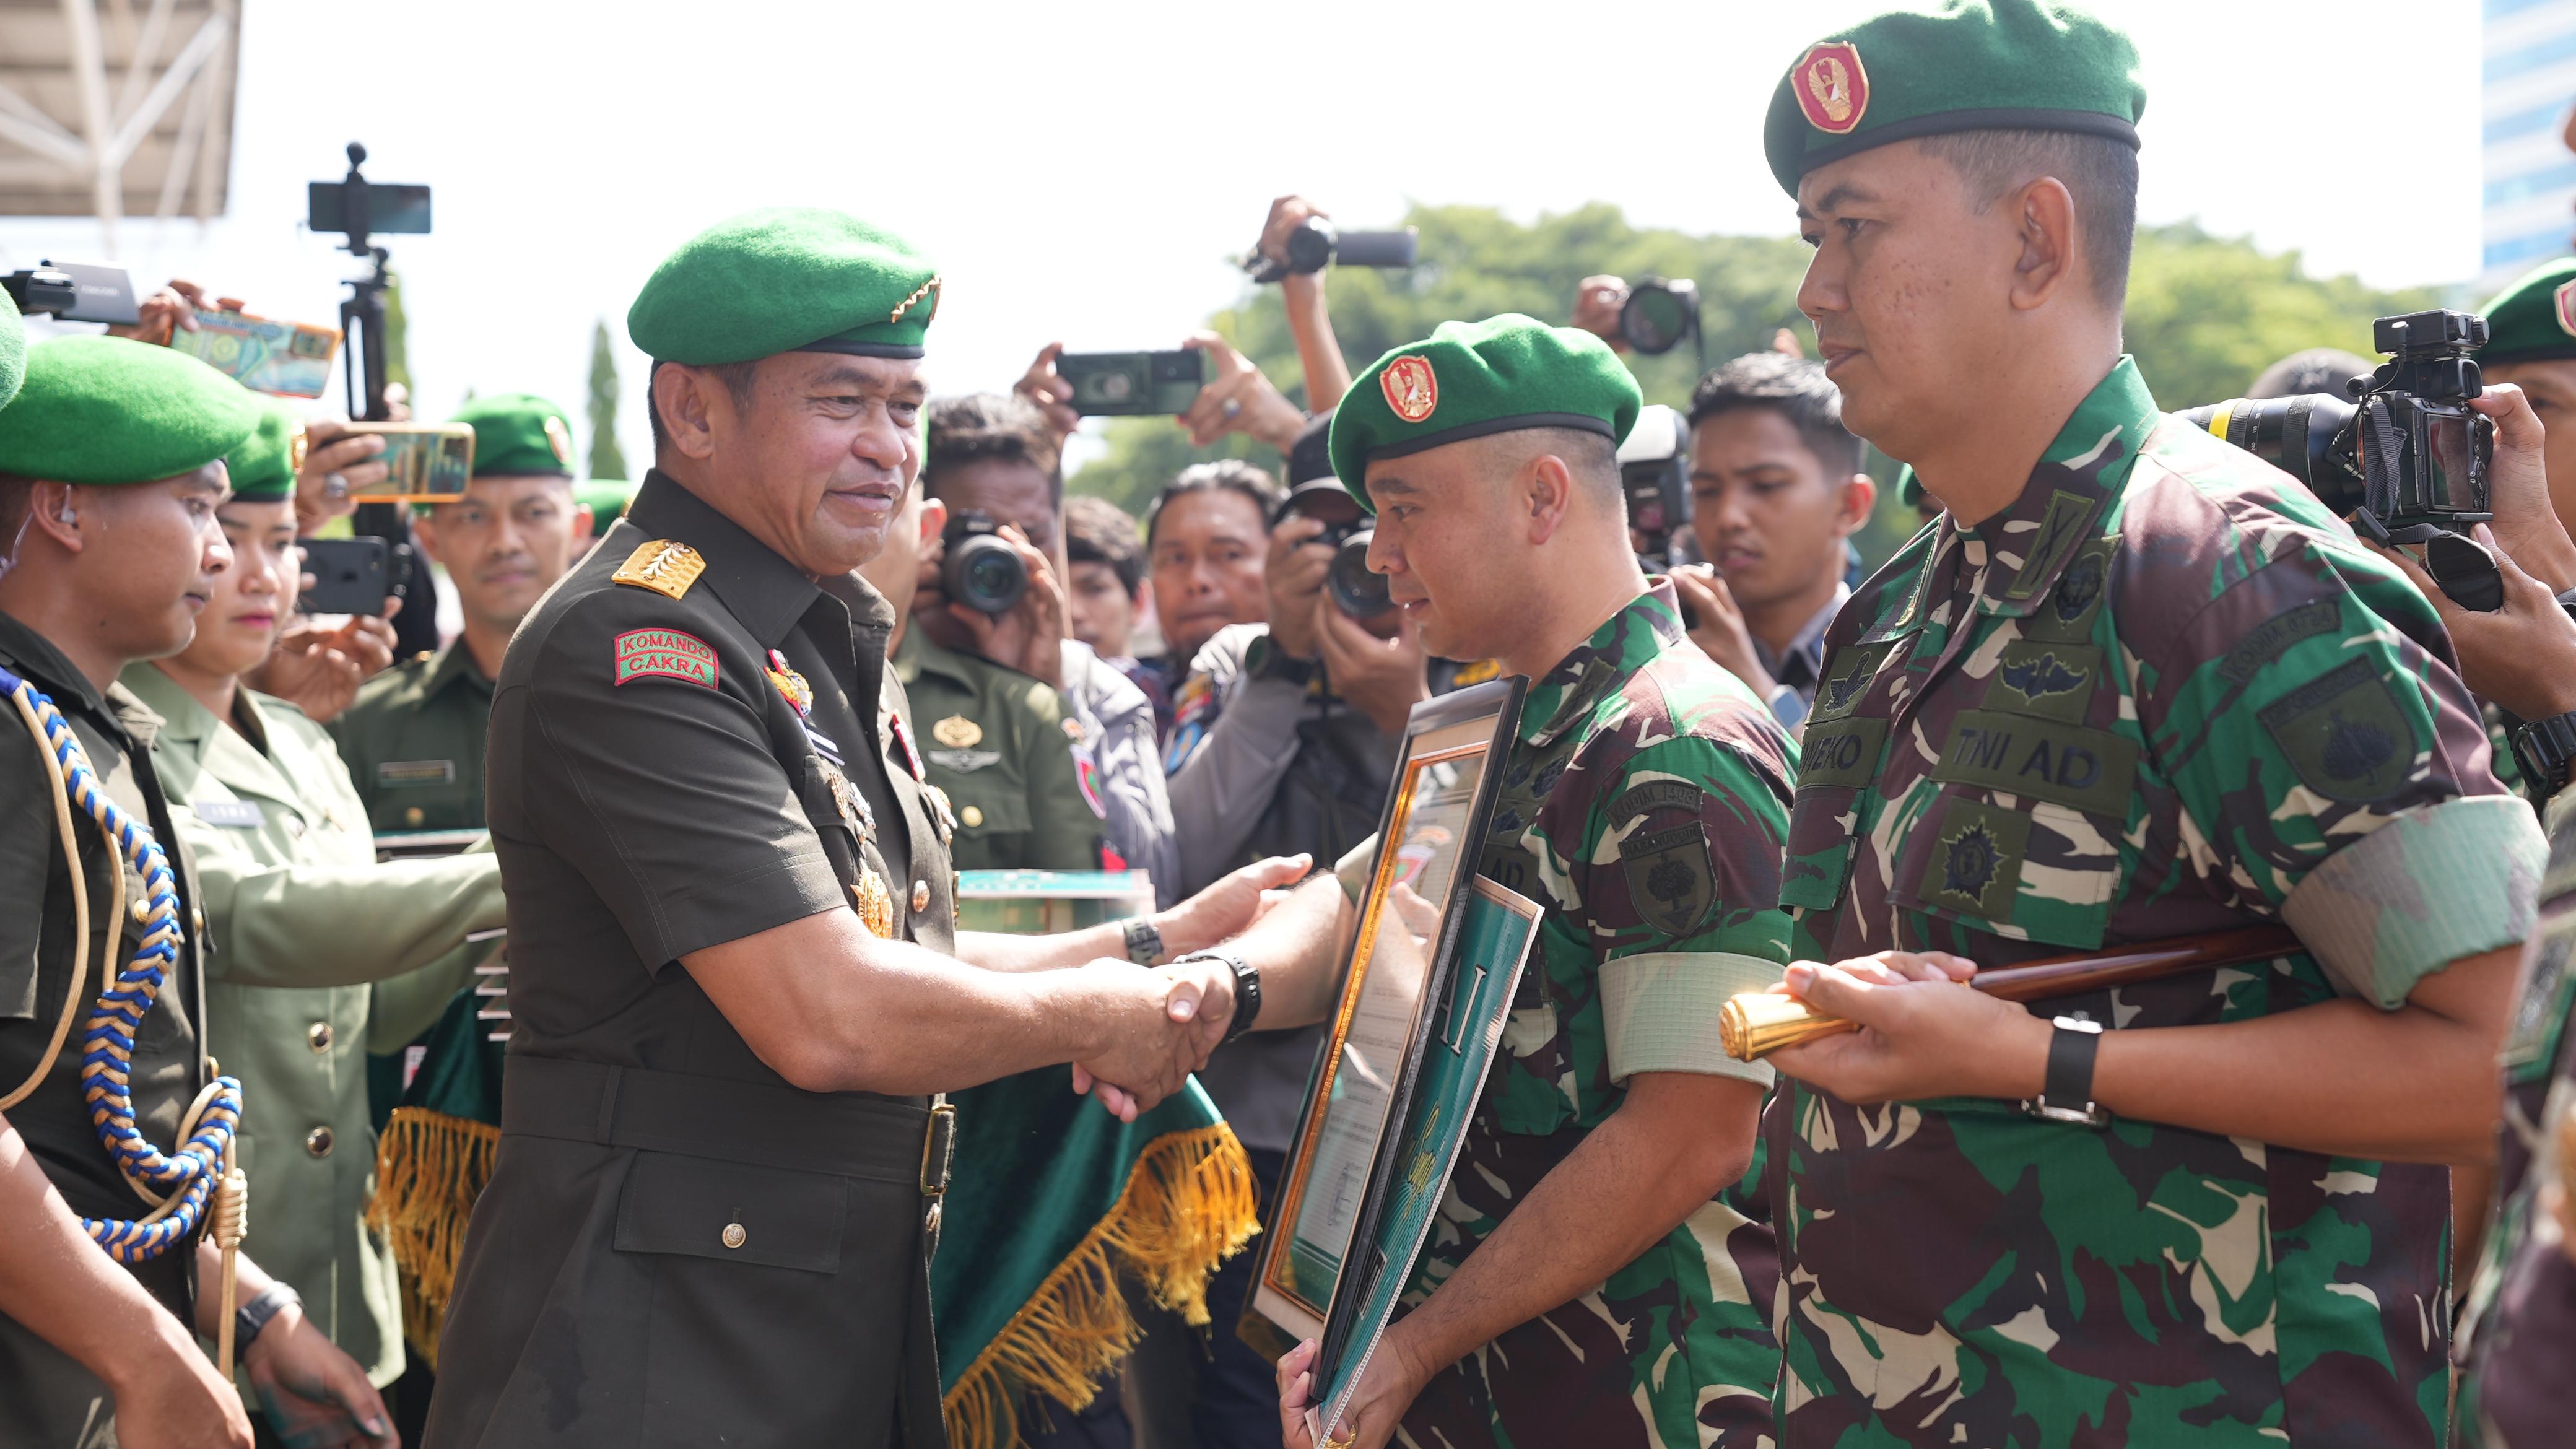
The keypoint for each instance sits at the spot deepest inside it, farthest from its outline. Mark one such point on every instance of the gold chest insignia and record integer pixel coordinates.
(957, 732)
(663, 566)
(874, 902)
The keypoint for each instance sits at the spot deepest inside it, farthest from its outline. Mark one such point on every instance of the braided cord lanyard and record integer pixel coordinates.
(178, 1184)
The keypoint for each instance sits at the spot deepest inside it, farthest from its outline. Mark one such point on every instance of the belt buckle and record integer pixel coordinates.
(938, 1146)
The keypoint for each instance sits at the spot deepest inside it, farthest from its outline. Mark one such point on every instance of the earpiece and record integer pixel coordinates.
(67, 515)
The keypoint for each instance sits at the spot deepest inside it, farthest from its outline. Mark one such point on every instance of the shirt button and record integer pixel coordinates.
(197, 920)
(413, 817)
(973, 815)
(318, 1141)
(318, 1036)
(921, 895)
(734, 1236)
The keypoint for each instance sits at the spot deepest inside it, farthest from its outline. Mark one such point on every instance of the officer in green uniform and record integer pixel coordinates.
(2132, 685)
(1589, 1284)
(414, 737)
(732, 985)
(996, 743)
(110, 474)
(300, 917)
(606, 498)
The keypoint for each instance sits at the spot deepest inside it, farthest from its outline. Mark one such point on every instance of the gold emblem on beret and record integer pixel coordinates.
(926, 289)
(297, 445)
(874, 902)
(1411, 388)
(1832, 88)
(559, 439)
(662, 566)
(957, 732)
(2565, 298)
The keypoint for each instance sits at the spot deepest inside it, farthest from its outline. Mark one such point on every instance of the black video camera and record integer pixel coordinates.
(1654, 473)
(1348, 531)
(1659, 313)
(979, 567)
(1317, 244)
(75, 292)
(2405, 460)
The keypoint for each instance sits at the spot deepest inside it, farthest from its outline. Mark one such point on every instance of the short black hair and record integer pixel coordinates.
(1793, 387)
(736, 376)
(1232, 474)
(1099, 531)
(989, 425)
(2100, 173)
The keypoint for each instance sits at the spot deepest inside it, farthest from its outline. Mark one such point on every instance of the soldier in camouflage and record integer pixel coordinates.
(2132, 685)
(1585, 1284)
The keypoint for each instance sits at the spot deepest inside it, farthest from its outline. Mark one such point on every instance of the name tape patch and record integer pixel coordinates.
(665, 652)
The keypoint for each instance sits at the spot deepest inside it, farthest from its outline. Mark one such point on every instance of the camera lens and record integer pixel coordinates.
(1655, 317)
(985, 574)
(1112, 387)
(1356, 591)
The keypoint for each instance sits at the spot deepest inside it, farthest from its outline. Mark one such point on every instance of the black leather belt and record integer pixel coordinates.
(849, 1134)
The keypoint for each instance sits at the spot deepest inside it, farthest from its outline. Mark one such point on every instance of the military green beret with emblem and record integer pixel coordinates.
(606, 498)
(13, 349)
(263, 468)
(787, 279)
(106, 410)
(518, 433)
(1966, 65)
(1472, 379)
(2534, 319)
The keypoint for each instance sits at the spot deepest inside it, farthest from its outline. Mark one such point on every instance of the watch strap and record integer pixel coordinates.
(253, 1316)
(2545, 748)
(1264, 659)
(1144, 941)
(2066, 1091)
(1247, 989)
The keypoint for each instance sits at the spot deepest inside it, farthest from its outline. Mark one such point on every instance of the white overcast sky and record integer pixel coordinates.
(1084, 171)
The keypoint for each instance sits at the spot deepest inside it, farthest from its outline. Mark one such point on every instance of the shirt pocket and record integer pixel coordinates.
(733, 1212)
(2024, 835)
(992, 819)
(1836, 761)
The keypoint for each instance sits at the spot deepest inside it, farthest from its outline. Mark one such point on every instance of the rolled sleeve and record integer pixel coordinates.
(2427, 888)
(1660, 1011)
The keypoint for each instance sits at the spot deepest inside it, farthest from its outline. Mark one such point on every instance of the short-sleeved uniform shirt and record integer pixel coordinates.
(48, 1396)
(655, 791)
(2518, 1337)
(414, 741)
(2162, 693)
(1643, 806)
(995, 740)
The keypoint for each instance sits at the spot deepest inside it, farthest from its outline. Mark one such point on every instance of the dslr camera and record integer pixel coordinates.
(1317, 244)
(1354, 589)
(978, 567)
(2404, 459)
(1660, 312)
(1654, 473)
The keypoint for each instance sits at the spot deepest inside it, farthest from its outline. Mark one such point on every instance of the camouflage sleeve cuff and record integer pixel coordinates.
(2430, 887)
(1353, 869)
(1660, 1010)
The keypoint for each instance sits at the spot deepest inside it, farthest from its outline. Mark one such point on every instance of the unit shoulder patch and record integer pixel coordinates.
(2344, 733)
(663, 566)
(669, 653)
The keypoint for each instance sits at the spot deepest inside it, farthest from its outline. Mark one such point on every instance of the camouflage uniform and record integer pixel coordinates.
(2160, 694)
(1644, 806)
(2517, 1336)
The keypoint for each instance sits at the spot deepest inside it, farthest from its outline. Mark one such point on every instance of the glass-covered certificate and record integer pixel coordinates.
(1442, 796)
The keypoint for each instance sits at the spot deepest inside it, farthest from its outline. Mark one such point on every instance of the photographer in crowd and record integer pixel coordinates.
(1207, 546)
(301, 918)
(990, 459)
(1776, 494)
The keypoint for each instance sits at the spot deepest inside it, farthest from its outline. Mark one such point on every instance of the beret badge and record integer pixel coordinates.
(1411, 388)
(1832, 88)
(559, 439)
(2565, 305)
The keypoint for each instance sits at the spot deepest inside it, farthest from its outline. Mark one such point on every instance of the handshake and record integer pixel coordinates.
(1157, 1026)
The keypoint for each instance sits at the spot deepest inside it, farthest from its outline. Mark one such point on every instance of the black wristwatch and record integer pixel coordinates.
(2066, 1093)
(2545, 748)
(1144, 941)
(1247, 989)
(1263, 659)
(253, 1316)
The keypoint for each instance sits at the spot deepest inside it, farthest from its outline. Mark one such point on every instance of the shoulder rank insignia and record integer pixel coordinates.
(662, 566)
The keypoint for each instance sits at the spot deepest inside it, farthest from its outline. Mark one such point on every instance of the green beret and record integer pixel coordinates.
(102, 410)
(1963, 65)
(2533, 320)
(264, 466)
(1475, 378)
(788, 279)
(606, 498)
(1909, 489)
(13, 350)
(517, 432)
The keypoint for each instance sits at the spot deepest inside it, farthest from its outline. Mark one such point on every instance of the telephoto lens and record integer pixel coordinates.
(982, 570)
(1356, 590)
(2296, 435)
(1353, 589)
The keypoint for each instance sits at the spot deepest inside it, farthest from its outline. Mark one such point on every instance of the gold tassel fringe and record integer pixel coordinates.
(430, 1167)
(1189, 1204)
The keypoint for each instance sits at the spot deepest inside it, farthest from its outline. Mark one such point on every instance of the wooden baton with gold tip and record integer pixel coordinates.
(1755, 1024)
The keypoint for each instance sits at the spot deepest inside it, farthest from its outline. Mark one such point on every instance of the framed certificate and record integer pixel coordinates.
(1441, 800)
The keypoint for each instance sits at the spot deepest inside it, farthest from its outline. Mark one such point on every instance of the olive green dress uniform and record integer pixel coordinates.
(302, 918)
(995, 741)
(677, 1246)
(96, 410)
(413, 742)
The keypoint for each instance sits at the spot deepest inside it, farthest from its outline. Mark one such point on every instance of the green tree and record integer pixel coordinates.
(607, 460)
(2207, 314)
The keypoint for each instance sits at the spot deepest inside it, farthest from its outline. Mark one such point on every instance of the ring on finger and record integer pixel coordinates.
(335, 486)
(1232, 407)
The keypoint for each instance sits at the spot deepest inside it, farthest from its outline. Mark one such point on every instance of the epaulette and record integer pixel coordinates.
(662, 566)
